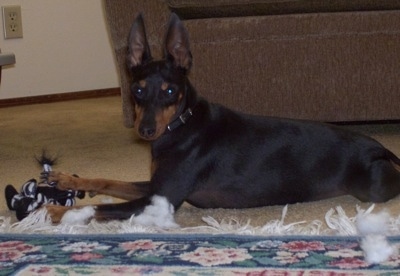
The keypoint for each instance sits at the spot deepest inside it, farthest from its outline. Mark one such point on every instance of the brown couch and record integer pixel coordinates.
(336, 60)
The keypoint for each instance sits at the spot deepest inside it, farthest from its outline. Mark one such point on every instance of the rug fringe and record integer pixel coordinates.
(339, 222)
(274, 227)
(336, 223)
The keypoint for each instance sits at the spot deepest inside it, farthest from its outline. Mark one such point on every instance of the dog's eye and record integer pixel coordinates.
(137, 90)
(170, 91)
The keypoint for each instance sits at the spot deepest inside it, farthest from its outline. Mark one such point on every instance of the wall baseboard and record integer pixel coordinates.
(61, 97)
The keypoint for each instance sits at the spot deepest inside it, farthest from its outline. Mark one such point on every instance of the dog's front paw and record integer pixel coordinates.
(60, 180)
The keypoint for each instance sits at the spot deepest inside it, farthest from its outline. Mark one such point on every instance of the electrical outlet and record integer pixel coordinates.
(12, 22)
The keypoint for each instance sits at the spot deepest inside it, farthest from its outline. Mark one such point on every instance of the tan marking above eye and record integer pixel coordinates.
(164, 85)
(142, 83)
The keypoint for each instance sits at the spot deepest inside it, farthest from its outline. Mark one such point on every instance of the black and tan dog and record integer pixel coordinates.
(213, 157)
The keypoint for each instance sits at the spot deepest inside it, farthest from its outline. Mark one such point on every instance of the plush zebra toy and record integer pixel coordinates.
(33, 194)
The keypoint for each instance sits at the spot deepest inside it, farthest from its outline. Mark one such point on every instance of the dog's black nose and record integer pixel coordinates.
(147, 132)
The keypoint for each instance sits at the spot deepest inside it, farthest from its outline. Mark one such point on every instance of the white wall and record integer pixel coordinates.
(65, 48)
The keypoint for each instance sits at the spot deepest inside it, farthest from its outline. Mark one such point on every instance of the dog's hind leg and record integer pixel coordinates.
(386, 179)
(382, 185)
(148, 211)
(82, 214)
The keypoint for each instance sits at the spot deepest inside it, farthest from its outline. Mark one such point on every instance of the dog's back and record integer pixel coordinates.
(240, 161)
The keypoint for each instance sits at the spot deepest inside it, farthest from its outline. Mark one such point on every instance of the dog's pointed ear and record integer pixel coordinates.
(139, 50)
(177, 43)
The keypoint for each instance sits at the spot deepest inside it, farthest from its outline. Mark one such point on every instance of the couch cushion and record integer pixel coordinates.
(321, 66)
(193, 9)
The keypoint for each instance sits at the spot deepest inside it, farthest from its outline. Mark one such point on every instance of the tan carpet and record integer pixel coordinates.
(91, 141)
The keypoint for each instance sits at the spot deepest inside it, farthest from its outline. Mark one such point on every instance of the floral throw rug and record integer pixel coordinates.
(183, 254)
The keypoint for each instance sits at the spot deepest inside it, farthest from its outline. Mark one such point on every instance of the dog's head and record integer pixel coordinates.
(158, 87)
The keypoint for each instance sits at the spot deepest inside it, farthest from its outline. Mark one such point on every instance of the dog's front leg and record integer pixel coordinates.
(151, 209)
(118, 189)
